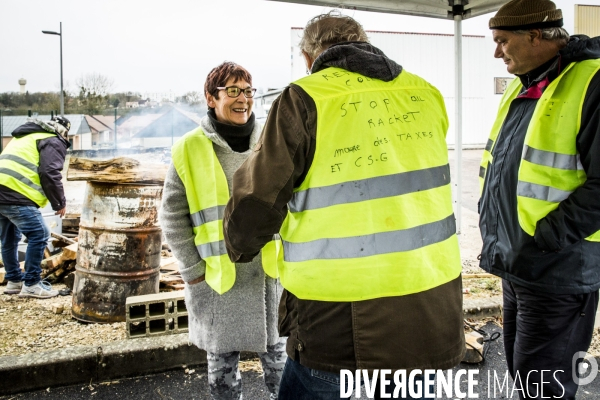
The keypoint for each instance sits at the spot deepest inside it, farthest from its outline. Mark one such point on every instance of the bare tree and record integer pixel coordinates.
(193, 98)
(94, 91)
(95, 84)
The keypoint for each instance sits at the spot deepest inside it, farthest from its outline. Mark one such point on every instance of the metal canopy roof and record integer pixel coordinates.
(445, 9)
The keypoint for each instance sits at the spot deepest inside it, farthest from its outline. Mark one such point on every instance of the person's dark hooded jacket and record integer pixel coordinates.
(420, 330)
(557, 259)
(53, 151)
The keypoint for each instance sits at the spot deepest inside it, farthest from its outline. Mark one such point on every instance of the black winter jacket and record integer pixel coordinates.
(53, 151)
(557, 259)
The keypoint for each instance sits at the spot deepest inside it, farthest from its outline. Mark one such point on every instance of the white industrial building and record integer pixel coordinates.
(431, 56)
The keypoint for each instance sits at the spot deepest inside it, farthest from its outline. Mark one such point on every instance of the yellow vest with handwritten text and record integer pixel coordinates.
(373, 217)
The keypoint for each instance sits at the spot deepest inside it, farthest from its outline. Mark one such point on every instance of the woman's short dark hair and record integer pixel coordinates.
(220, 74)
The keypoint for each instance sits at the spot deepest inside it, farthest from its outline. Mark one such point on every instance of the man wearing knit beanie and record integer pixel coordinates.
(539, 208)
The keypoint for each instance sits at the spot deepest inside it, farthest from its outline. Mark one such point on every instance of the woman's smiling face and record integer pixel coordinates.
(230, 110)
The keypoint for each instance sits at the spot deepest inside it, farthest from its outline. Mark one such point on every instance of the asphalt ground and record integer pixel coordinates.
(178, 384)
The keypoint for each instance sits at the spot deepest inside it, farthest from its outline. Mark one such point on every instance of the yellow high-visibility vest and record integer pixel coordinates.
(373, 217)
(207, 194)
(19, 163)
(550, 168)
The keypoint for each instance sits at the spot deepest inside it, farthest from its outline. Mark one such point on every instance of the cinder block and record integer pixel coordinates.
(156, 314)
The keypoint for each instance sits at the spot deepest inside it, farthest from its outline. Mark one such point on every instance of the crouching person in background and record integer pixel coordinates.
(30, 178)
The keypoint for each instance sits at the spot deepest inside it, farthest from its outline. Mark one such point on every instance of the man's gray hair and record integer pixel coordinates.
(554, 34)
(327, 29)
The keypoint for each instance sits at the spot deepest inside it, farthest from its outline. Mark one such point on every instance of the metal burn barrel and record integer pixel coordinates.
(119, 249)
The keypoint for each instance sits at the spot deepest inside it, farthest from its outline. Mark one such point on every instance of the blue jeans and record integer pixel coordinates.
(26, 220)
(301, 383)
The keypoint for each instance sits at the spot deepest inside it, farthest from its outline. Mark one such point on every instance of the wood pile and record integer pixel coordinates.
(170, 279)
(56, 267)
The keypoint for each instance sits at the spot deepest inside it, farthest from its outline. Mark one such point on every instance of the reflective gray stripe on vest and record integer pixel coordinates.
(212, 249)
(370, 245)
(20, 160)
(207, 215)
(481, 172)
(370, 189)
(22, 179)
(541, 192)
(550, 159)
(489, 145)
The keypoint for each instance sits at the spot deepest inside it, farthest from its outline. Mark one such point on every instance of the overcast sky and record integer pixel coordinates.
(171, 45)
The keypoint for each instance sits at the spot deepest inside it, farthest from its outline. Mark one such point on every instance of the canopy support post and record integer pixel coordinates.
(458, 104)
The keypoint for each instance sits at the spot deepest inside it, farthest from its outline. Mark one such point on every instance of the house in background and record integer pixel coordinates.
(80, 135)
(164, 131)
(103, 130)
(130, 125)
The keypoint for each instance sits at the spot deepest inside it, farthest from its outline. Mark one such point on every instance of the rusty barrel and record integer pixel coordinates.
(119, 249)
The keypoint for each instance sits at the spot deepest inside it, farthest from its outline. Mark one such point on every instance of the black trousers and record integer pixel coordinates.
(542, 333)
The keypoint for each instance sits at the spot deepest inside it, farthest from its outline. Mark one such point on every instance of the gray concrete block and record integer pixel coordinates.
(156, 314)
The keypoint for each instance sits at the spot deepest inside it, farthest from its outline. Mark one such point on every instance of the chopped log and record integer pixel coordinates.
(70, 252)
(47, 272)
(52, 262)
(116, 170)
(47, 253)
(62, 238)
(169, 263)
(53, 277)
(171, 288)
(55, 261)
(170, 278)
(61, 272)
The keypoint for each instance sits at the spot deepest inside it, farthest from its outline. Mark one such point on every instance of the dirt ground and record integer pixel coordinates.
(31, 325)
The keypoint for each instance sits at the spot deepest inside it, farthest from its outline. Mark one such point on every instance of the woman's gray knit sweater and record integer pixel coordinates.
(243, 318)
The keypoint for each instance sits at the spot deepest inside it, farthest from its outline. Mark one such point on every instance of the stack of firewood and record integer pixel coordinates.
(170, 279)
(56, 267)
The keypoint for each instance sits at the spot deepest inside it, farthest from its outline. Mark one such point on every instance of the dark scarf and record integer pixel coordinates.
(236, 136)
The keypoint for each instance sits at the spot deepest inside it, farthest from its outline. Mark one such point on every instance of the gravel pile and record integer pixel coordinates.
(32, 325)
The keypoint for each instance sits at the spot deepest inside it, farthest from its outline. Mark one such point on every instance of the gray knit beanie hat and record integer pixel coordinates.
(527, 14)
